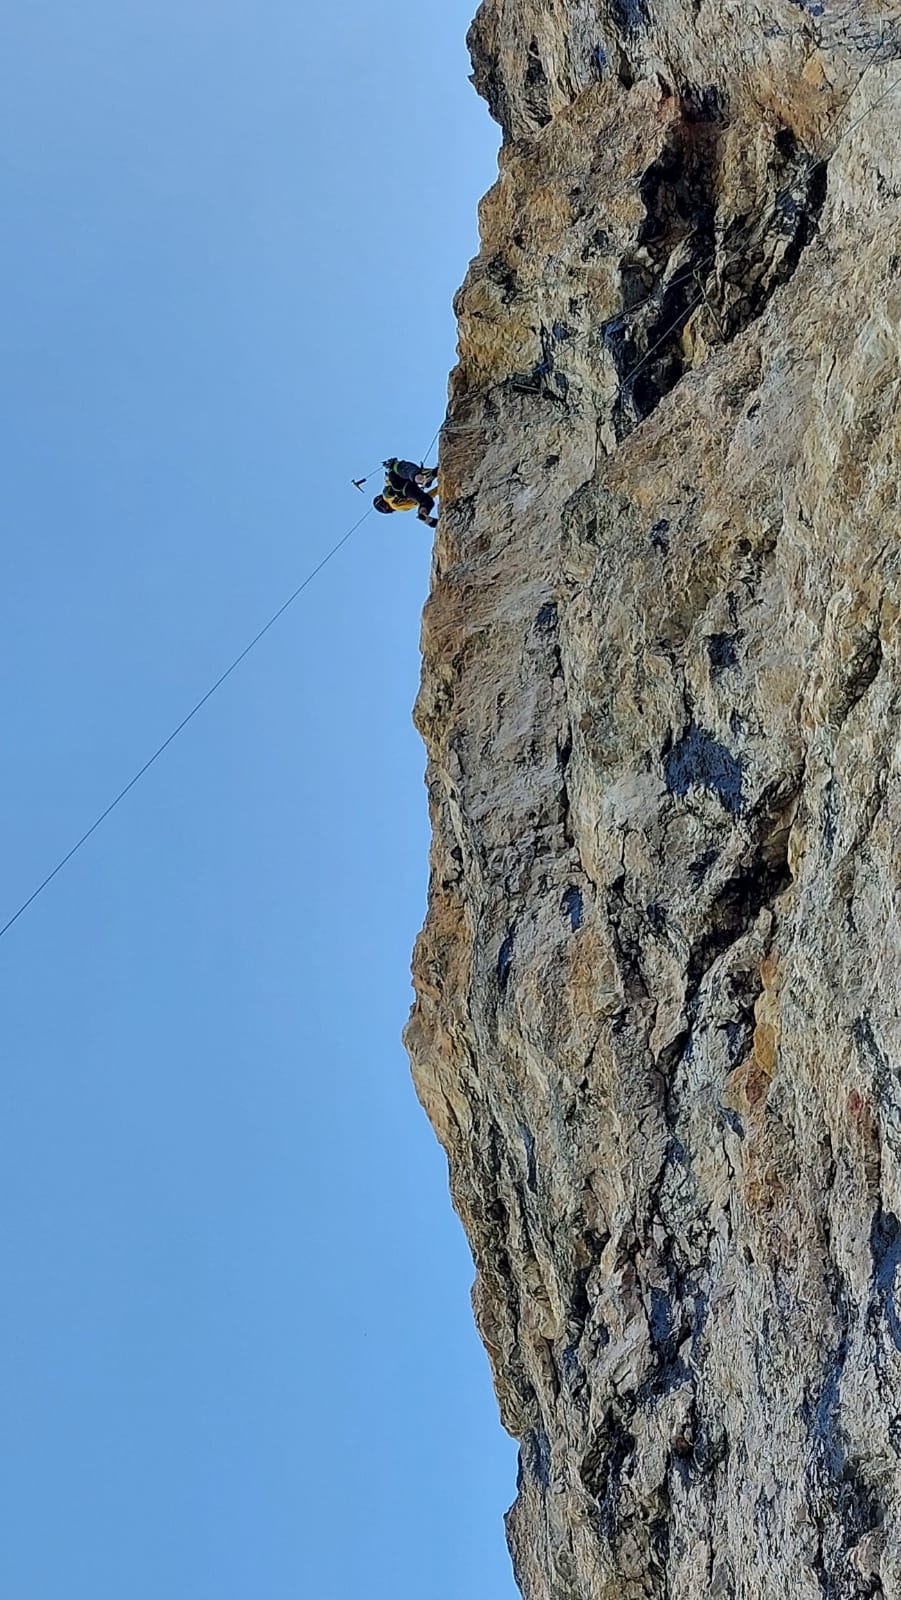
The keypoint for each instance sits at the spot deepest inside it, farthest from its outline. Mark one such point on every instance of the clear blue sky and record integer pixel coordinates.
(237, 1359)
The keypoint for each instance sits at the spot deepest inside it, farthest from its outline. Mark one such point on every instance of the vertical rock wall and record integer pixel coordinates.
(658, 994)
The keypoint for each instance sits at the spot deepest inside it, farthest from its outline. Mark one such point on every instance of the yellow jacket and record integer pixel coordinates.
(397, 503)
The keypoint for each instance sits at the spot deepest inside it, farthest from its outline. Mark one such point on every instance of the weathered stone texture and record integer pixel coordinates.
(657, 1025)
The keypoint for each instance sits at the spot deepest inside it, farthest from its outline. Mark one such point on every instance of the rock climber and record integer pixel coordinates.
(406, 487)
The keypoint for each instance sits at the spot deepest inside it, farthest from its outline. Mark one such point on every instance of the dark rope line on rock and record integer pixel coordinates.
(870, 61)
(681, 318)
(475, 427)
(586, 335)
(693, 305)
(183, 724)
(864, 114)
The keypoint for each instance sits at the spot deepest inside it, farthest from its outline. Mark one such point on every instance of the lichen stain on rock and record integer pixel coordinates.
(656, 1025)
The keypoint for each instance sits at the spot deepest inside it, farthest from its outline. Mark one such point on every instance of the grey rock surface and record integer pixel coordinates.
(657, 1024)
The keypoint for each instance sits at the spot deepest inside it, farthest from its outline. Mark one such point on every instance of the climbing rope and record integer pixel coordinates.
(877, 102)
(184, 723)
(428, 449)
(358, 483)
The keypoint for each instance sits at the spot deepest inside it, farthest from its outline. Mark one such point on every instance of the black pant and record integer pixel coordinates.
(411, 491)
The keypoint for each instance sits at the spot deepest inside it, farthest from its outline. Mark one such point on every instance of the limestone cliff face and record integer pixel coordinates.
(658, 1015)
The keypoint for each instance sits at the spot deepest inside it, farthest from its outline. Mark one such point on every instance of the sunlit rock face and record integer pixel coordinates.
(658, 994)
